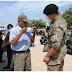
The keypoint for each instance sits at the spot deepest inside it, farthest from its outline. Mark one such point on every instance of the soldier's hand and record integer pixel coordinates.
(46, 59)
(23, 30)
(34, 29)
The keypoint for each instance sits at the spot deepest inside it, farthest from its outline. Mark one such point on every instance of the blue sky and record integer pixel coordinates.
(9, 10)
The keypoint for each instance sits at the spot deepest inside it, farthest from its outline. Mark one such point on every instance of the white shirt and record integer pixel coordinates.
(24, 41)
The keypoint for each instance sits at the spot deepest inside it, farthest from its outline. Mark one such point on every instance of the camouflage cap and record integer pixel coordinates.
(23, 18)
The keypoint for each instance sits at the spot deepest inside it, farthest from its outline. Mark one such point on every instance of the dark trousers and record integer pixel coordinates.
(9, 56)
(1, 53)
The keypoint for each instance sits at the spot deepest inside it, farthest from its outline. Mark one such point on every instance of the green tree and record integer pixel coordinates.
(38, 23)
(68, 16)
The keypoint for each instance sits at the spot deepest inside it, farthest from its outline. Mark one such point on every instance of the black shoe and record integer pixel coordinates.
(7, 67)
(12, 69)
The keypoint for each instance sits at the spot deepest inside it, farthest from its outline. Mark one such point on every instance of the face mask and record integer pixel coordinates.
(49, 20)
(8, 30)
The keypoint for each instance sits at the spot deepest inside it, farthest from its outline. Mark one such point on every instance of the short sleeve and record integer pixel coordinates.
(31, 34)
(12, 35)
(57, 38)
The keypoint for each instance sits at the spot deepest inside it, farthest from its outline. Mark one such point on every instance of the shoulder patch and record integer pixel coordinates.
(52, 38)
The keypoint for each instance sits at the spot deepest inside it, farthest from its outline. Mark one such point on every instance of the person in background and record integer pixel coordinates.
(47, 28)
(21, 40)
(1, 49)
(8, 47)
(71, 31)
(45, 48)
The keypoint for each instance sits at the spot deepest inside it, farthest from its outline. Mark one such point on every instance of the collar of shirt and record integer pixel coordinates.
(19, 27)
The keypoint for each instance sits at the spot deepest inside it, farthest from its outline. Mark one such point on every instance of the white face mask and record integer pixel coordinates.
(49, 20)
(8, 30)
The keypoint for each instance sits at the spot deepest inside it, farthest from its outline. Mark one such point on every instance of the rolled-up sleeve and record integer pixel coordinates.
(12, 35)
(58, 36)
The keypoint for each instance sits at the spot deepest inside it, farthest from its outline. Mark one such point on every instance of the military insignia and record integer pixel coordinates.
(52, 38)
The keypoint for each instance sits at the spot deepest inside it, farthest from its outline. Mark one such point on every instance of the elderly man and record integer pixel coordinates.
(20, 40)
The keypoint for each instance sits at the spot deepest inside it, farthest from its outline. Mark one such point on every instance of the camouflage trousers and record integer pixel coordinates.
(22, 61)
(58, 67)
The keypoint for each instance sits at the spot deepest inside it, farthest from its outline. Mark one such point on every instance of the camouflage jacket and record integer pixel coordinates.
(57, 33)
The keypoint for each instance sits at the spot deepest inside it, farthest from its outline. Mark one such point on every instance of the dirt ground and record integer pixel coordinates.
(37, 56)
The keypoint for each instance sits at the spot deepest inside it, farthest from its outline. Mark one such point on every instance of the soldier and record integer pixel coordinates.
(57, 34)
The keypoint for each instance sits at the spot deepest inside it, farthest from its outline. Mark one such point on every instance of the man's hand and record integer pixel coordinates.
(33, 37)
(23, 30)
(46, 59)
(34, 29)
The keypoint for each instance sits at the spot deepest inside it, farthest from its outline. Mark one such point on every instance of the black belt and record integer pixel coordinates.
(21, 51)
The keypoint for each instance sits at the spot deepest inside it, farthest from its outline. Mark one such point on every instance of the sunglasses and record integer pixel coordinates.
(25, 22)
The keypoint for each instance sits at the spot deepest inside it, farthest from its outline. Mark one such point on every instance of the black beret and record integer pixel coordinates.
(50, 9)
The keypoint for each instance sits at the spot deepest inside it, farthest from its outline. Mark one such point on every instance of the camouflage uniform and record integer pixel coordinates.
(57, 34)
